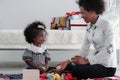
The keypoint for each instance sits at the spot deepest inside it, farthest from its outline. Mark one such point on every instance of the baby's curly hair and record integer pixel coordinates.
(92, 5)
(32, 30)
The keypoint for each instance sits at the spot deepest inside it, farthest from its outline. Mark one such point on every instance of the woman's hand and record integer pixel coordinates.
(63, 64)
(80, 60)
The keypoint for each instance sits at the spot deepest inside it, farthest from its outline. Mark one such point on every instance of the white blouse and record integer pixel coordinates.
(100, 36)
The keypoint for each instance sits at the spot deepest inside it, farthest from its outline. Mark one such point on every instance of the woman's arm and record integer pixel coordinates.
(84, 51)
(63, 64)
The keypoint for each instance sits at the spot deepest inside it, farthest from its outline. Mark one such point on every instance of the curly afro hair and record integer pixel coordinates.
(92, 5)
(32, 30)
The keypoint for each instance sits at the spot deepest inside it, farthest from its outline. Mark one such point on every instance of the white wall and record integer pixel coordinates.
(16, 14)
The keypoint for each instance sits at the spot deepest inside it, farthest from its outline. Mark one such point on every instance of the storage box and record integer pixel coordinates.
(78, 24)
(31, 74)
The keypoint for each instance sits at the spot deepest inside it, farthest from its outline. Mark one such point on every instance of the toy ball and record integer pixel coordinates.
(57, 76)
(50, 77)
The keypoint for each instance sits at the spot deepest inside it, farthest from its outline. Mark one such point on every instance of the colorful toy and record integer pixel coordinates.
(57, 76)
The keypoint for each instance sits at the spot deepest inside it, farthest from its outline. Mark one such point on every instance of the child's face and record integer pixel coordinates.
(40, 38)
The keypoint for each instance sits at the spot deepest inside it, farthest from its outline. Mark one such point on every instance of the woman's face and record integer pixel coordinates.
(40, 38)
(88, 16)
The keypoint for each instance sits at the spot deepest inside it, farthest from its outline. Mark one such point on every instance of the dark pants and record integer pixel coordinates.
(90, 71)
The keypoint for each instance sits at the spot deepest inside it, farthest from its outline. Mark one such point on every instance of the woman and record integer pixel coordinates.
(102, 62)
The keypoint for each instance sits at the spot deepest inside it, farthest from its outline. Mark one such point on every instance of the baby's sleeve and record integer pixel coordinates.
(46, 54)
(27, 55)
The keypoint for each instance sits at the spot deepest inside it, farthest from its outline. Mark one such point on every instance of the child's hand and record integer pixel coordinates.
(44, 68)
(41, 68)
